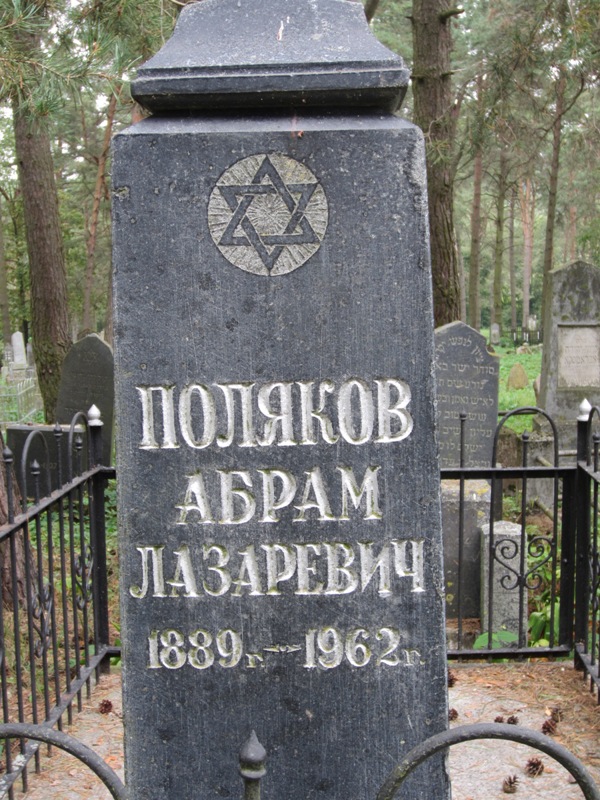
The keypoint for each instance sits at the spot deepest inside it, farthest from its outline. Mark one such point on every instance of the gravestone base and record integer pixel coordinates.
(476, 513)
(505, 604)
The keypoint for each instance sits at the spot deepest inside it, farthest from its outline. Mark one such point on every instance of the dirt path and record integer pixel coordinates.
(480, 694)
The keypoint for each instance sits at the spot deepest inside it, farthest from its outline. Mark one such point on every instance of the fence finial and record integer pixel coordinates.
(584, 411)
(252, 766)
(94, 416)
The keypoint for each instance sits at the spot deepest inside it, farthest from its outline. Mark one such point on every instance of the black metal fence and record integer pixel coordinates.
(587, 603)
(539, 562)
(535, 591)
(54, 627)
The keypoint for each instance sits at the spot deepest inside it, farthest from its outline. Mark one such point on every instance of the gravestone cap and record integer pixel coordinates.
(266, 53)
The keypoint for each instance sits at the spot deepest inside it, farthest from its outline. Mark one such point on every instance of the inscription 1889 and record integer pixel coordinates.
(263, 415)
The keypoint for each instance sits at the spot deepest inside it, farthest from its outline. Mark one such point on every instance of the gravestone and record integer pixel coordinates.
(467, 383)
(87, 379)
(46, 455)
(18, 346)
(279, 498)
(571, 356)
(495, 333)
(517, 377)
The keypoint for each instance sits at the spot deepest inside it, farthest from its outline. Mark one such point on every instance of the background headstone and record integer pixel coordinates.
(280, 542)
(87, 379)
(467, 381)
(571, 355)
(495, 333)
(46, 456)
(18, 346)
(476, 512)
(517, 377)
(506, 566)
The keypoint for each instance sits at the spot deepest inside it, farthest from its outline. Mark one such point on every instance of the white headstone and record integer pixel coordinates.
(18, 345)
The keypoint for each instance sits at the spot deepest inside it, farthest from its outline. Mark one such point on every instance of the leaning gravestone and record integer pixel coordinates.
(467, 383)
(87, 379)
(279, 490)
(571, 356)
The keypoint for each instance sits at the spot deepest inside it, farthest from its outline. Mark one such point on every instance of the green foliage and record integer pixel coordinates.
(540, 625)
(500, 640)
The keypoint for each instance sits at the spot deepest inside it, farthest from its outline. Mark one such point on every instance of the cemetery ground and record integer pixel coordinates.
(526, 694)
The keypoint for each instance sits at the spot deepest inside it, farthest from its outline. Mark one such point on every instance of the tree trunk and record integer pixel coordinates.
(475, 262)
(6, 329)
(561, 86)
(434, 113)
(93, 228)
(511, 261)
(49, 312)
(496, 315)
(527, 202)
(17, 589)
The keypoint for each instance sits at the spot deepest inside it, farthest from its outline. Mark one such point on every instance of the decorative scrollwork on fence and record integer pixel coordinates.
(539, 548)
(83, 577)
(506, 550)
(41, 607)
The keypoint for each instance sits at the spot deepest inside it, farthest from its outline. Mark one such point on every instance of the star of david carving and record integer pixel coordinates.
(242, 200)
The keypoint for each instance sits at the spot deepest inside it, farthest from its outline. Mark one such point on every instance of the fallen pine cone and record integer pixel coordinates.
(499, 718)
(509, 784)
(452, 714)
(534, 767)
(549, 727)
(556, 714)
(451, 679)
(105, 707)
(513, 720)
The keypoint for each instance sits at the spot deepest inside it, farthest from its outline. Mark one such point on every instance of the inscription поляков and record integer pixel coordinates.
(289, 411)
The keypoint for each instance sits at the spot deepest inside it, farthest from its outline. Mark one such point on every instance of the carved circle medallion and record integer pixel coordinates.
(268, 214)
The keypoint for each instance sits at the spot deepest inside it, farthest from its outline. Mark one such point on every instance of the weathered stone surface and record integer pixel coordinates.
(501, 573)
(467, 383)
(87, 379)
(229, 54)
(517, 377)
(18, 346)
(571, 361)
(279, 487)
(461, 560)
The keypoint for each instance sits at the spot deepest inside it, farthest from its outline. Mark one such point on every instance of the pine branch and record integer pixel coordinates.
(444, 16)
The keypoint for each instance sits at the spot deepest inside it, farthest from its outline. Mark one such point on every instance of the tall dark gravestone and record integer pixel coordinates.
(87, 379)
(467, 384)
(278, 480)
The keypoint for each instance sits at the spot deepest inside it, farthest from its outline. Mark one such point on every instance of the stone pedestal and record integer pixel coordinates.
(506, 568)
(280, 527)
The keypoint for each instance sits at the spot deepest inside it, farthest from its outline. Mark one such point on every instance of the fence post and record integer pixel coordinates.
(583, 483)
(252, 766)
(98, 539)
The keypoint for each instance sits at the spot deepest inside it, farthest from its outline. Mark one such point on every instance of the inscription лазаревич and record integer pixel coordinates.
(282, 414)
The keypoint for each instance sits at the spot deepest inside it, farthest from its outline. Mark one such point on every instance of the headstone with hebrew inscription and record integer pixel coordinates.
(467, 386)
(280, 542)
(571, 355)
(87, 379)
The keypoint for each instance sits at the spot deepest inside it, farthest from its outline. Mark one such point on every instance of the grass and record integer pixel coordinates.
(510, 399)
